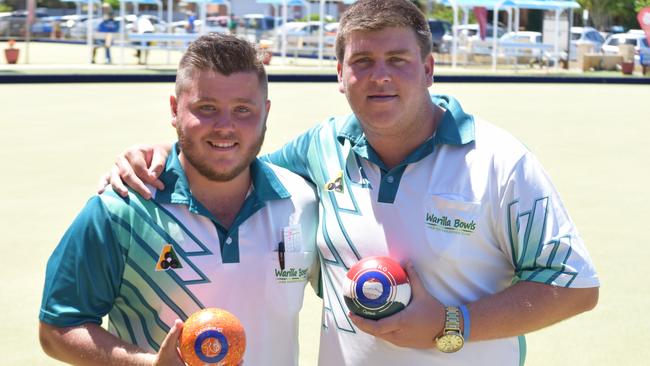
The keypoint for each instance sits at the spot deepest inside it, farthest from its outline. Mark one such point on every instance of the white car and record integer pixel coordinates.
(213, 25)
(522, 44)
(633, 37)
(470, 34)
(522, 37)
(306, 34)
(585, 35)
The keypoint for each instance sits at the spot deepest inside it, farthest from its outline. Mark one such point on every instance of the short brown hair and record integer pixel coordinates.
(222, 53)
(375, 15)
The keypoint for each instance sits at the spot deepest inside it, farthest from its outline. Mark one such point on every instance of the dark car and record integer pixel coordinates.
(14, 24)
(440, 28)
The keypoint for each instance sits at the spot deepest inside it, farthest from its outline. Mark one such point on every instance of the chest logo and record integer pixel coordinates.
(336, 183)
(450, 224)
(292, 274)
(168, 259)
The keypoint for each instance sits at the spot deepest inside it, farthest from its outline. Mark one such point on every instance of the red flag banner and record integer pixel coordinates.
(644, 20)
(481, 16)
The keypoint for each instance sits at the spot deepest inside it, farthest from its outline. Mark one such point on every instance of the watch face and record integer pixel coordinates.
(449, 343)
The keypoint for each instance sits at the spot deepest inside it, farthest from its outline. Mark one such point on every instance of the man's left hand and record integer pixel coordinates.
(414, 327)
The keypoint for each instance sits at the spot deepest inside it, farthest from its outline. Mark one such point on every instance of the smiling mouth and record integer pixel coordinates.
(222, 145)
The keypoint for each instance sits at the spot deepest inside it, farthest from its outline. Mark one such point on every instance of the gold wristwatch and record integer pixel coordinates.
(451, 340)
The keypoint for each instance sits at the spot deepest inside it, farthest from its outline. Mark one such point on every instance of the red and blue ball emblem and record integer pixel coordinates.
(376, 287)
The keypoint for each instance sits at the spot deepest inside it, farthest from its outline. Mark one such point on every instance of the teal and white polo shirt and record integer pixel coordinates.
(147, 263)
(471, 207)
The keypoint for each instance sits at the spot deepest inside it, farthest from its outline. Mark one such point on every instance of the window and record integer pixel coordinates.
(631, 41)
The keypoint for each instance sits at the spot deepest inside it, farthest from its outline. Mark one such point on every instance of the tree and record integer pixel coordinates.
(640, 4)
(605, 13)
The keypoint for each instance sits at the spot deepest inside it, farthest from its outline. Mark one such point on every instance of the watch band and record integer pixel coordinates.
(452, 318)
(451, 339)
(466, 321)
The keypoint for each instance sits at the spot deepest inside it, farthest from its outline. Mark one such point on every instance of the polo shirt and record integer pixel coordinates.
(145, 263)
(471, 207)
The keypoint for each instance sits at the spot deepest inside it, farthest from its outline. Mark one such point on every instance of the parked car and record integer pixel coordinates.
(524, 37)
(213, 25)
(440, 35)
(68, 22)
(470, 34)
(78, 30)
(331, 28)
(260, 22)
(13, 25)
(259, 26)
(532, 49)
(472, 31)
(306, 34)
(634, 38)
(43, 27)
(585, 35)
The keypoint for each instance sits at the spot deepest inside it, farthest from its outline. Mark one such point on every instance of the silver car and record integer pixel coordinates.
(634, 38)
(585, 35)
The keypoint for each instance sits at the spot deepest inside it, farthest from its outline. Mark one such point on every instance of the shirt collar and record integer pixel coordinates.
(266, 185)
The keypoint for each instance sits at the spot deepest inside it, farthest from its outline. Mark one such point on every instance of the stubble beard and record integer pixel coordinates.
(193, 157)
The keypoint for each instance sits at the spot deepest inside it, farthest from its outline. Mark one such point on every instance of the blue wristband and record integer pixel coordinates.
(466, 321)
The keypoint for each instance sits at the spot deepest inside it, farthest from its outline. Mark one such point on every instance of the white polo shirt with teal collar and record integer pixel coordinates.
(146, 263)
(471, 207)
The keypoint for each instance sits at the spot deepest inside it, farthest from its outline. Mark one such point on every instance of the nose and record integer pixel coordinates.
(223, 121)
(380, 72)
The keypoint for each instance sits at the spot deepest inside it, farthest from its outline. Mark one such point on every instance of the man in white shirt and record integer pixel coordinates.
(490, 250)
(227, 231)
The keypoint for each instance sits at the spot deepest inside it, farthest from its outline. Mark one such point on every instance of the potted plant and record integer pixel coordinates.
(627, 67)
(11, 53)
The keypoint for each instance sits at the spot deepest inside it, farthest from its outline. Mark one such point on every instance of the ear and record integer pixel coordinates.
(339, 75)
(428, 69)
(267, 107)
(173, 105)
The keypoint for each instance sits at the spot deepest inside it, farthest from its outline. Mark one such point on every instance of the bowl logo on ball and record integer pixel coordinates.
(211, 346)
(212, 337)
(376, 287)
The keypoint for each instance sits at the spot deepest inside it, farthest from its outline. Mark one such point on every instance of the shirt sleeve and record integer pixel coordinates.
(294, 155)
(84, 272)
(537, 232)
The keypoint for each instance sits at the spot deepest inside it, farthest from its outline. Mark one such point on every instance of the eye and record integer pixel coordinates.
(362, 61)
(397, 60)
(242, 109)
(207, 108)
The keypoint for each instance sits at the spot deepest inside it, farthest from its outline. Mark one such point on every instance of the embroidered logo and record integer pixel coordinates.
(168, 259)
(291, 274)
(335, 184)
(448, 224)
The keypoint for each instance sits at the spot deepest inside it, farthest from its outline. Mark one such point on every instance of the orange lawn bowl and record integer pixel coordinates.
(212, 337)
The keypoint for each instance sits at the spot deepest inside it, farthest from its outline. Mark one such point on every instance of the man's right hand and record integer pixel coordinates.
(169, 355)
(89, 344)
(136, 167)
